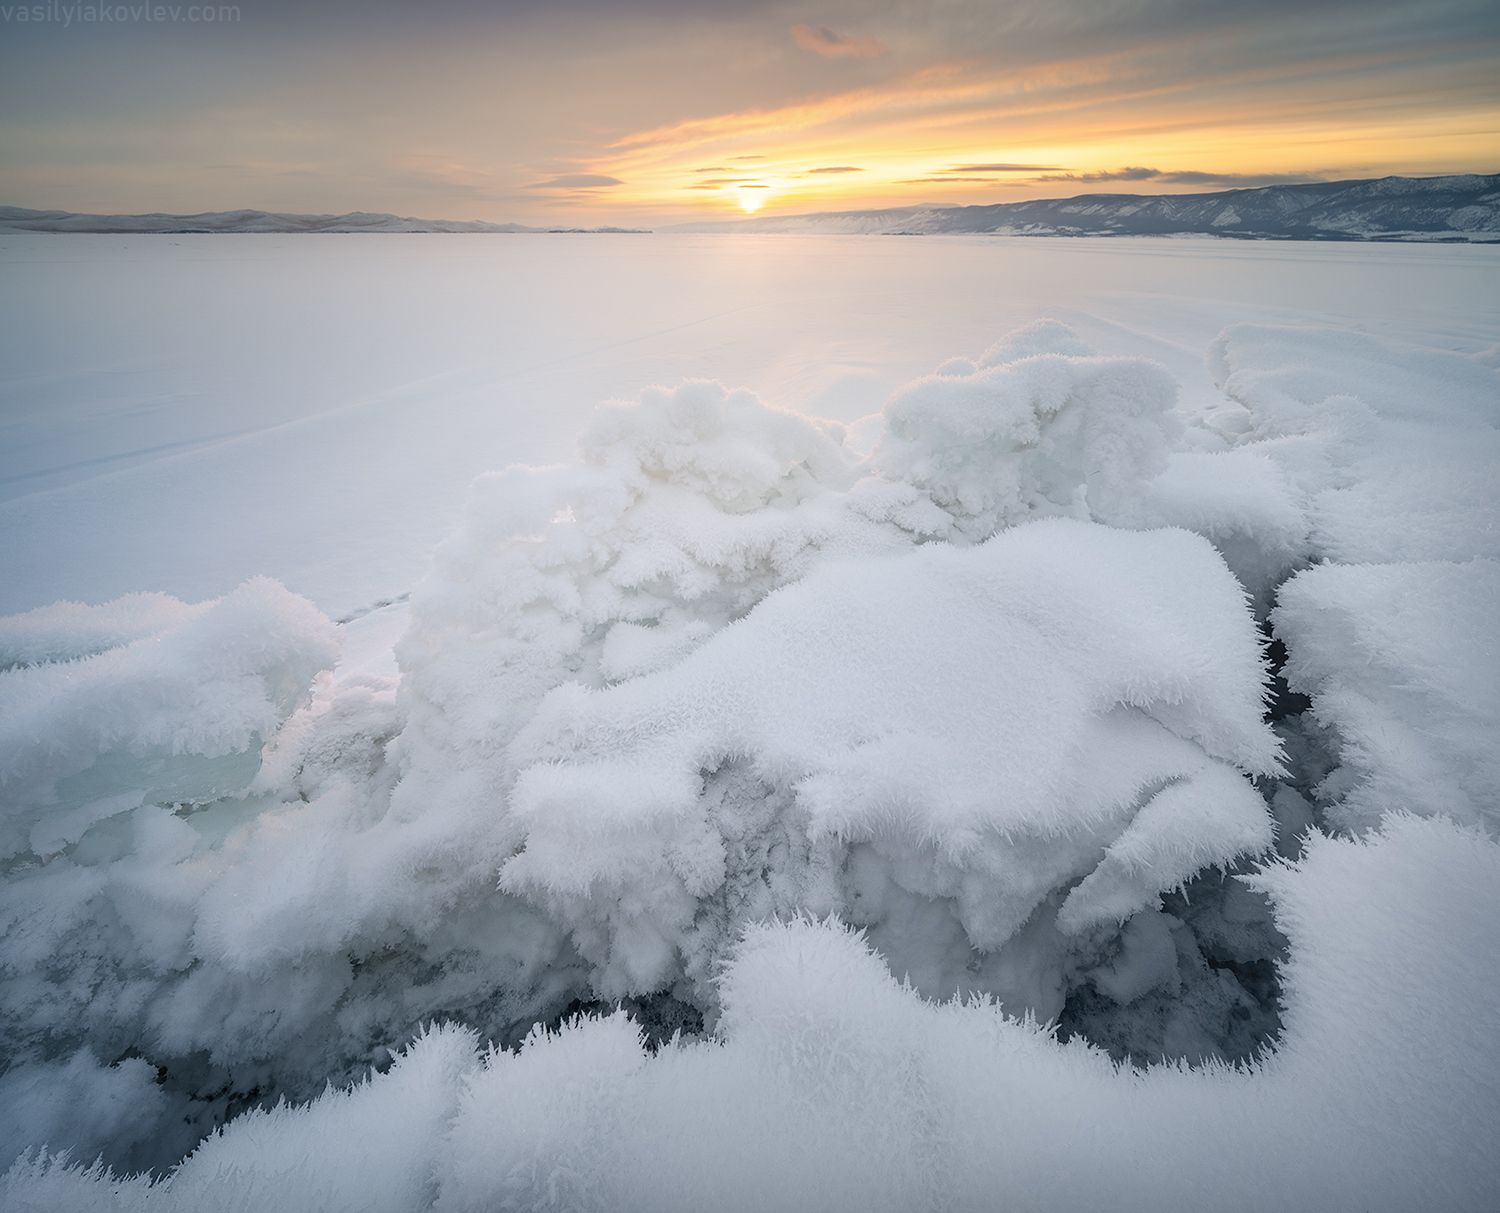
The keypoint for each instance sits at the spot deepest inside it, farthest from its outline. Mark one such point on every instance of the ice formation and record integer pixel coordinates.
(833, 1088)
(984, 676)
(145, 701)
(1064, 707)
(1402, 661)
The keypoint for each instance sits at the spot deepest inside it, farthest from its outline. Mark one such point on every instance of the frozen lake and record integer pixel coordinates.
(180, 412)
(989, 683)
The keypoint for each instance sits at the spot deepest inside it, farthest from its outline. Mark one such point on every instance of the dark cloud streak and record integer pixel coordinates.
(1182, 177)
(575, 181)
(822, 41)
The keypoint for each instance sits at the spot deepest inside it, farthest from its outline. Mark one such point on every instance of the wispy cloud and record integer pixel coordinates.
(838, 168)
(1183, 177)
(739, 183)
(1004, 168)
(942, 180)
(444, 177)
(830, 45)
(575, 181)
(939, 84)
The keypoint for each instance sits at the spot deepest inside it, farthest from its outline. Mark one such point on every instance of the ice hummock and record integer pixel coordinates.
(1064, 711)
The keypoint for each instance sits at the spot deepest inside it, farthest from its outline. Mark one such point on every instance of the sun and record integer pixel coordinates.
(751, 198)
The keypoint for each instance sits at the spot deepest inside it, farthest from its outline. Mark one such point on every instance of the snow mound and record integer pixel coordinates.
(688, 507)
(866, 1097)
(989, 720)
(1402, 661)
(1047, 434)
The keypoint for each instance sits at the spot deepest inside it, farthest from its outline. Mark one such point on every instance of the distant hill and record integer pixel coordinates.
(1455, 208)
(18, 219)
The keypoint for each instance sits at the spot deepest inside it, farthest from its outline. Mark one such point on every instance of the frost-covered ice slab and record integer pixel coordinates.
(1333, 445)
(1402, 661)
(145, 700)
(66, 631)
(1062, 703)
(1390, 454)
(1391, 451)
(1241, 500)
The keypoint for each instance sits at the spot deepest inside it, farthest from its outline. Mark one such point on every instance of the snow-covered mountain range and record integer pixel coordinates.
(19, 219)
(1453, 208)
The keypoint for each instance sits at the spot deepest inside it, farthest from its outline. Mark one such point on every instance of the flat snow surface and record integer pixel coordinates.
(178, 413)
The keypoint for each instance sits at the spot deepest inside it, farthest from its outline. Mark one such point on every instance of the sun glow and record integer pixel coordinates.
(751, 198)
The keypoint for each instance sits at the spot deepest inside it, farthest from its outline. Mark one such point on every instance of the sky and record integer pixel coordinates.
(654, 111)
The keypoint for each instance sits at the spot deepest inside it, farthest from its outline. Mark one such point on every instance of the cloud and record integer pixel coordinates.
(939, 86)
(823, 41)
(942, 180)
(1130, 173)
(1004, 168)
(1184, 177)
(838, 168)
(1196, 178)
(712, 168)
(739, 183)
(443, 178)
(575, 181)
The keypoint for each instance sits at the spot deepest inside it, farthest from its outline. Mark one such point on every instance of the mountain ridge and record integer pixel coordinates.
(22, 219)
(1456, 207)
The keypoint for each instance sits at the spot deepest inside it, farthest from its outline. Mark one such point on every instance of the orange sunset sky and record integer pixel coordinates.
(663, 110)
